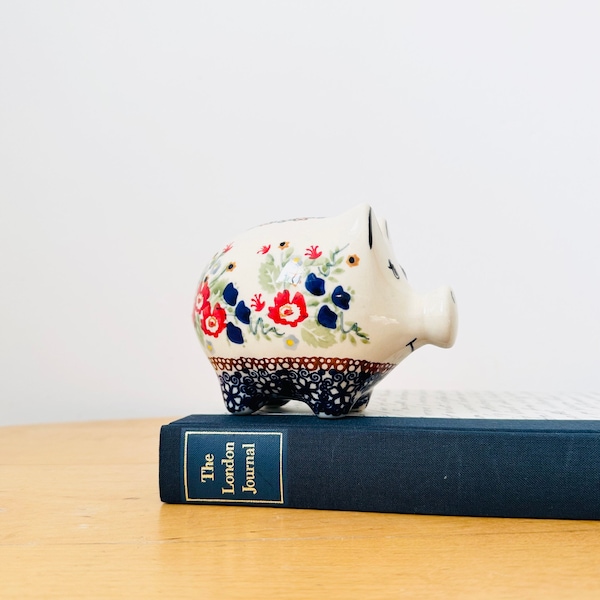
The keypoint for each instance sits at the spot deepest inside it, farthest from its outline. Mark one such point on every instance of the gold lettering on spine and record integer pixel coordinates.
(207, 470)
(250, 485)
(229, 463)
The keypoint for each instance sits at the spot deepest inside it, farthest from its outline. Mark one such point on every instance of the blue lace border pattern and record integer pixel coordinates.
(331, 387)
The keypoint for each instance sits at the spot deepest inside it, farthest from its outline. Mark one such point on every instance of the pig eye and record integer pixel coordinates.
(395, 271)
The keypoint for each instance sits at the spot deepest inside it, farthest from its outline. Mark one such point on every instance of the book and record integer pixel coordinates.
(439, 453)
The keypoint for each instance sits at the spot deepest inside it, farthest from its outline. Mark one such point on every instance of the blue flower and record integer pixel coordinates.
(230, 294)
(327, 317)
(242, 312)
(290, 342)
(234, 333)
(315, 285)
(341, 298)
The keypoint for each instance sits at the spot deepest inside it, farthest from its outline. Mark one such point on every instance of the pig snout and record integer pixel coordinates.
(440, 317)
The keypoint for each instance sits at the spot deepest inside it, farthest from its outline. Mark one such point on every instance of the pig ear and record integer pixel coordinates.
(384, 227)
(374, 222)
(355, 220)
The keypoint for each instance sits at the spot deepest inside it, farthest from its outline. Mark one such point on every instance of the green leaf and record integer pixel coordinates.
(217, 287)
(268, 273)
(287, 255)
(317, 336)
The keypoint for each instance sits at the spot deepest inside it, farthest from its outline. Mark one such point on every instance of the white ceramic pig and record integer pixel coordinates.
(316, 310)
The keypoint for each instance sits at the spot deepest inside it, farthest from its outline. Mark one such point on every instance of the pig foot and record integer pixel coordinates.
(245, 406)
(361, 403)
(333, 408)
(240, 395)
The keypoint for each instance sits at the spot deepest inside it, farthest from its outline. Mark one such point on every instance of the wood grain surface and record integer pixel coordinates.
(80, 517)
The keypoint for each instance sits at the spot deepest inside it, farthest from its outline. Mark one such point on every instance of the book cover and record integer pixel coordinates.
(476, 454)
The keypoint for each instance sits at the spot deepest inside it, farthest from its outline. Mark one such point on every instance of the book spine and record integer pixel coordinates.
(504, 473)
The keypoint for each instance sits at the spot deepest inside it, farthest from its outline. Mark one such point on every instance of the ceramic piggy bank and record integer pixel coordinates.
(317, 310)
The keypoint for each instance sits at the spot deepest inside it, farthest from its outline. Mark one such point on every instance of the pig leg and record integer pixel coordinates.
(241, 394)
(361, 403)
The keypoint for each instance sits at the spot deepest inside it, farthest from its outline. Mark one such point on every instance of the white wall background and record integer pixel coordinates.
(137, 137)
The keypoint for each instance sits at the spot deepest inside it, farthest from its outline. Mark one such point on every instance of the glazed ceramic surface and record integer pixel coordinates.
(317, 310)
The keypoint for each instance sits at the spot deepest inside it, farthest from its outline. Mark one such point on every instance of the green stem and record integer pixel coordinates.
(353, 328)
(332, 262)
(265, 330)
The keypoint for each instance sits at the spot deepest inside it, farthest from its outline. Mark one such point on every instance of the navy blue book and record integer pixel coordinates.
(480, 461)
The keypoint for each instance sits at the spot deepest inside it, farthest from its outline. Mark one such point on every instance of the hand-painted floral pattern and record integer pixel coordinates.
(288, 311)
(212, 320)
(300, 291)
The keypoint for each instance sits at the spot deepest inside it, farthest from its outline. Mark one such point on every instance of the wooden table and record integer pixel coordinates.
(80, 517)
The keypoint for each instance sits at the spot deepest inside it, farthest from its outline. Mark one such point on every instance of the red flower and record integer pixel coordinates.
(213, 321)
(313, 252)
(286, 311)
(227, 248)
(202, 296)
(264, 249)
(257, 302)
